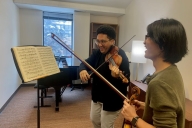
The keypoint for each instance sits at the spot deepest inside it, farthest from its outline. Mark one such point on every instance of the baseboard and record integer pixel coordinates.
(22, 85)
(27, 85)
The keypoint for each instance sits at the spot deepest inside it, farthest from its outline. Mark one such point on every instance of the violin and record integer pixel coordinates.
(135, 91)
(115, 59)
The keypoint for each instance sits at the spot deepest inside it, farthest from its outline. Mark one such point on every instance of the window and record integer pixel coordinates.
(61, 25)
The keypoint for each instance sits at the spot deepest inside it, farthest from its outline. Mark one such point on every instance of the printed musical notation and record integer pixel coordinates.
(35, 62)
(47, 58)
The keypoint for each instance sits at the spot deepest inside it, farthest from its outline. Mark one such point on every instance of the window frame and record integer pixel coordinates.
(64, 19)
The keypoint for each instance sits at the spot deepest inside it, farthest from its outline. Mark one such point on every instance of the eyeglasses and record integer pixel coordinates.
(146, 36)
(102, 42)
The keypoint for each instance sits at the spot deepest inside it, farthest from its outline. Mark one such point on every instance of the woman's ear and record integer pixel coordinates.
(113, 42)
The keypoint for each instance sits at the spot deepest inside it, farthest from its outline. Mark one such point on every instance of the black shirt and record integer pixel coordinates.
(100, 90)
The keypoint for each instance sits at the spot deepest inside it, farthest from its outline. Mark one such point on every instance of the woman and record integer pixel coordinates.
(164, 106)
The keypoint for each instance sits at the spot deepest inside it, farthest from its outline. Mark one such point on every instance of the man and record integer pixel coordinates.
(164, 107)
(106, 103)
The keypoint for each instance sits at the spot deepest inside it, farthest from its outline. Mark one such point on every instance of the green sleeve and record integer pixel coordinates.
(164, 104)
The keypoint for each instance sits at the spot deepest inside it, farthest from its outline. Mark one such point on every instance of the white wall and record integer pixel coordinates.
(9, 35)
(81, 28)
(104, 19)
(31, 27)
(140, 13)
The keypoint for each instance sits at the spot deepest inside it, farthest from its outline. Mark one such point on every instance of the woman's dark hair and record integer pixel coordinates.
(108, 30)
(171, 37)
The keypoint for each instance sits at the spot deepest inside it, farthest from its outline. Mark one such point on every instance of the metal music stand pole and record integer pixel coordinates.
(38, 107)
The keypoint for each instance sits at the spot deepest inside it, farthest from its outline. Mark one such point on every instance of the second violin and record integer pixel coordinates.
(135, 91)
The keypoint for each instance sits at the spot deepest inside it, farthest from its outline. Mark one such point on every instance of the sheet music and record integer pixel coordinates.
(35, 62)
(29, 63)
(47, 59)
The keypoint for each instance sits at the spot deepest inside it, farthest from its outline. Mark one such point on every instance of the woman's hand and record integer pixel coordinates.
(84, 76)
(128, 111)
(139, 105)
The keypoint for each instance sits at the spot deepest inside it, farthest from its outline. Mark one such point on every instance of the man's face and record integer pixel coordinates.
(104, 43)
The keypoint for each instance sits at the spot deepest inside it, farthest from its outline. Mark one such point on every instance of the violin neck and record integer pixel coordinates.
(112, 62)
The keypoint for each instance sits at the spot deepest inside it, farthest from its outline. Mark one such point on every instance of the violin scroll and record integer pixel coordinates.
(135, 91)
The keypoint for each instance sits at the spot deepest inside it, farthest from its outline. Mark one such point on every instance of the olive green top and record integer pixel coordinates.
(165, 99)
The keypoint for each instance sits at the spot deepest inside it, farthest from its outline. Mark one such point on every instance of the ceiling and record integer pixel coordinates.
(108, 3)
(94, 7)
